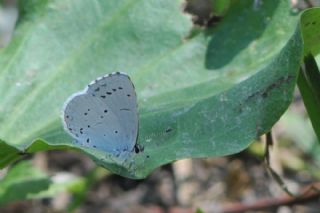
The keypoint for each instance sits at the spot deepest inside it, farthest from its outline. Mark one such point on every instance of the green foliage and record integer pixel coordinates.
(309, 85)
(82, 187)
(22, 182)
(299, 130)
(209, 94)
(219, 7)
(8, 154)
(310, 29)
(309, 78)
(199, 211)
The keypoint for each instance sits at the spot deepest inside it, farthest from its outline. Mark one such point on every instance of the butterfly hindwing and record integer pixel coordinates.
(105, 114)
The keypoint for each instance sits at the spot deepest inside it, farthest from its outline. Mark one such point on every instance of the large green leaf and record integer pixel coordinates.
(200, 94)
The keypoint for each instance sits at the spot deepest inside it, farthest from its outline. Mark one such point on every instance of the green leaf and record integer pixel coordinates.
(309, 78)
(310, 29)
(220, 6)
(8, 154)
(22, 182)
(309, 85)
(199, 211)
(209, 94)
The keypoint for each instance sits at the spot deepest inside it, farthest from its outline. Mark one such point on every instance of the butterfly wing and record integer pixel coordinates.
(105, 115)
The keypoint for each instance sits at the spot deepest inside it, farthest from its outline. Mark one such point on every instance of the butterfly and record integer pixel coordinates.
(104, 115)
